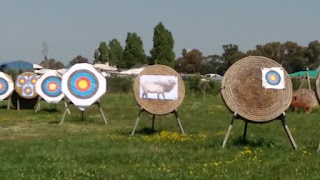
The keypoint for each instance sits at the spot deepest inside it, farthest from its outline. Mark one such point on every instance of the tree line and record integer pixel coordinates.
(292, 56)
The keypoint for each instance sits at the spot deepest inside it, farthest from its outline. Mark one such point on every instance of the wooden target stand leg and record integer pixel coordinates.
(9, 102)
(153, 118)
(38, 108)
(284, 124)
(318, 148)
(82, 112)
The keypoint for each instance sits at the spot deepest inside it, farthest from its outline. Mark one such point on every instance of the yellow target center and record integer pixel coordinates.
(83, 84)
(273, 78)
(28, 90)
(52, 86)
(34, 81)
(21, 81)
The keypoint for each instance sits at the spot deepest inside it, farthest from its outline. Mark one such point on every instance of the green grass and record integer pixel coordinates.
(35, 146)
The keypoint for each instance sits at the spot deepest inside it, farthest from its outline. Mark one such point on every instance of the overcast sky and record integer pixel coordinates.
(76, 27)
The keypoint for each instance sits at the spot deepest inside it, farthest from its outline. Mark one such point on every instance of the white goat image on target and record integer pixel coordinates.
(159, 87)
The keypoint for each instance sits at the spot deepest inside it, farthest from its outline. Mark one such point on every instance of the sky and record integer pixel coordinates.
(76, 27)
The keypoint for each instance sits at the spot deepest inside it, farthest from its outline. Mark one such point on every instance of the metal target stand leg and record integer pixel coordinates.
(153, 118)
(67, 110)
(178, 120)
(229, 130)
(18, 104)
(38, 105)
(283, 121)
(9, 102)
(285, 126)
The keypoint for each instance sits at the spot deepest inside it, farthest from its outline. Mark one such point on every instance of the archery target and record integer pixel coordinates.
(27, 91)
(33, 80)
(25, 85)
(6, 85)
(22, 81)
(273, 78)
(83, 85)
(48, 86)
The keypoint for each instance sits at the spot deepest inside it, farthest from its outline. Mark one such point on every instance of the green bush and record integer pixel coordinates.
(119, 84)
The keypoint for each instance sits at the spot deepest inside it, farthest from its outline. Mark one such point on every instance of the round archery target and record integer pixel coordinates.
(273, 77)
(27, 91)
(25, 85)
(22, 80)
(6, 85)
(3, 86)
(48, 86)
(33, 80)
(83, 85)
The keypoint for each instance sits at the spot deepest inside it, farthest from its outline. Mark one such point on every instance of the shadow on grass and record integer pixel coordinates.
(146, 131)
(240, 141)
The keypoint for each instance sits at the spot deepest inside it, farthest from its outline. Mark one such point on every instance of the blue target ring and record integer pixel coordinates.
(51, 86)
(273, 78)
(3, 86)
(83, 84)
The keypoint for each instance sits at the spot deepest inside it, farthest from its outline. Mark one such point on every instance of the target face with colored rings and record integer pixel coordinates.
(25, 85)
(22, 80)
(3, 86)
(51, 86)
(6, 85)
(33, 80)
(27, 91)
(273, 77)
(48, 86)
(83, 84)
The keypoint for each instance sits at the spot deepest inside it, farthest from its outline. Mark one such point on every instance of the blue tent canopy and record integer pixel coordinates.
(16, 66)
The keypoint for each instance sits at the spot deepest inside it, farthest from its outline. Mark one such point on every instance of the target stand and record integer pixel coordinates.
(40, 99)
(257, 90)
(282, 117)
(158, 90)
(175, 112)
(67, 104)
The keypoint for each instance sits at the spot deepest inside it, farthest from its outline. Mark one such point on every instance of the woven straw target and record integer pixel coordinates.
(6, 85)
(25, 85)
(244, 94)
(159, 89)
(306, 96)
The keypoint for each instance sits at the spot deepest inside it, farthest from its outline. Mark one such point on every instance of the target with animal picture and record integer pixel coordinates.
(6, 85)
(25, 85)
(273, 78)
(83, 85)
(48, 87)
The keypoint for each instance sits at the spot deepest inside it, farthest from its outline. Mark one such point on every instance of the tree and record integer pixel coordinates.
(78, 59)
(231, 54)
(51, 64)
(163, 43)
(313, 54)
(96, 56)
(116, 53)
(103, 51)
(133, 52)
(190, 62)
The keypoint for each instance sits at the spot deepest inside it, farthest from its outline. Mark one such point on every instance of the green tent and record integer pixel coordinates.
(313, 74)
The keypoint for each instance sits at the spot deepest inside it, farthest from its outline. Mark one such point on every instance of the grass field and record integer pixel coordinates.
(34, 146)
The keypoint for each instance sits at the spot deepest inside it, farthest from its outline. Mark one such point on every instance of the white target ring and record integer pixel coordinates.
(49, 88)
(83, 85)
(6, 85)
